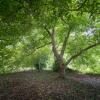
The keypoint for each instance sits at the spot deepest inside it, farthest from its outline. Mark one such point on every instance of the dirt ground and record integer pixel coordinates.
(33, 85)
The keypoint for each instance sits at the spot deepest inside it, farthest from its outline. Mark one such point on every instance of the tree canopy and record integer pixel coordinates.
(71, 27)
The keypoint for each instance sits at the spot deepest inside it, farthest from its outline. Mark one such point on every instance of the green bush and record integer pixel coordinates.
(40, 60)
(55, 67)
(40, 65)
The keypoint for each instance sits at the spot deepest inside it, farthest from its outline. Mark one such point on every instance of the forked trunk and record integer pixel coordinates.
(58, 57)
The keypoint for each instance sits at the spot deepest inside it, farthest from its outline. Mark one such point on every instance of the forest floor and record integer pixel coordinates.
(33, 85)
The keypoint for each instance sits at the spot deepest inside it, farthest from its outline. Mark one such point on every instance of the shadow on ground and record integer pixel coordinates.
(33, 85)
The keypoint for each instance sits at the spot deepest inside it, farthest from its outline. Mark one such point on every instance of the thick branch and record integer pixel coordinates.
(65, 43)
(81, 51)
(53, 41)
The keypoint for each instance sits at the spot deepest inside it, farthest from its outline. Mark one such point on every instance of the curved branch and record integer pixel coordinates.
(81, 51)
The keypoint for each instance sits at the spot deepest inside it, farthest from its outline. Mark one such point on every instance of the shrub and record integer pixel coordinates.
(40, 65)
(55, 67)
(40, 60)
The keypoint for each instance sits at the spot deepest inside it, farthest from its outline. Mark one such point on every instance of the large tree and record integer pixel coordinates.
(64, 23)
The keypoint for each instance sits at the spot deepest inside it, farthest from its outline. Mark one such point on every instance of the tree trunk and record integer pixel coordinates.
(61, 68)
(57, 56)
(62, 71)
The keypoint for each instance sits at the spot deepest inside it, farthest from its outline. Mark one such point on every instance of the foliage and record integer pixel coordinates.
(55, 67)
(40, 60)
(22, 31)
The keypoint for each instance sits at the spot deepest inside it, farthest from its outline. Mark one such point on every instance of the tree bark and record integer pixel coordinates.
(62, 69)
